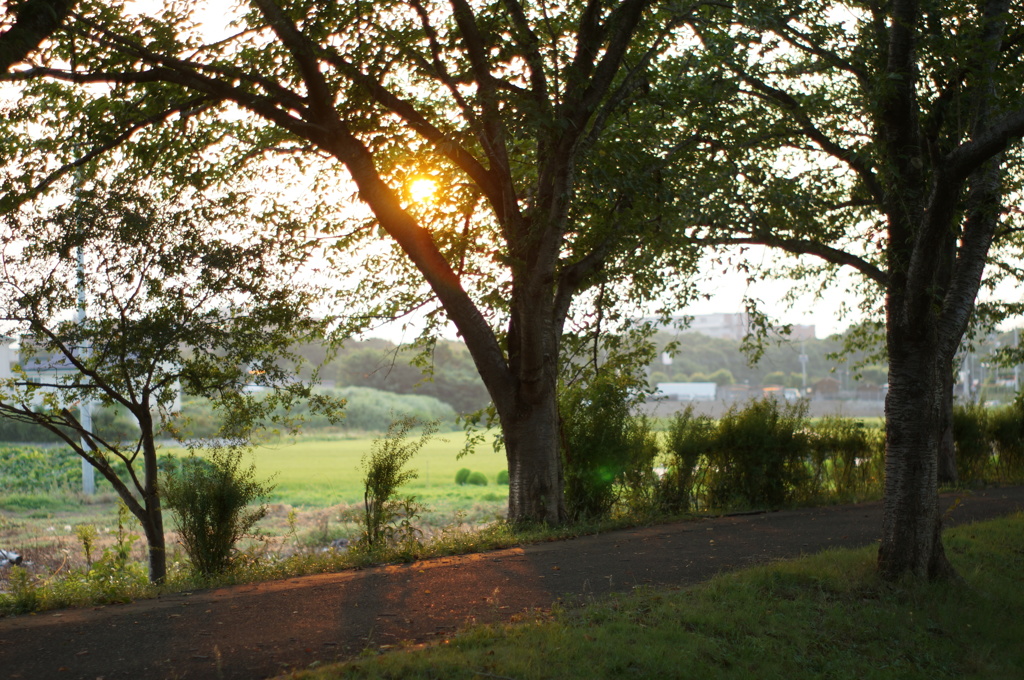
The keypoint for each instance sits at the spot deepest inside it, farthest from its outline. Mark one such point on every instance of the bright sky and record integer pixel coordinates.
(727, 292)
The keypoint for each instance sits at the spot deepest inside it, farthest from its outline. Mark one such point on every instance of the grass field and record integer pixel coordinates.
(324, 473)
(321, 479)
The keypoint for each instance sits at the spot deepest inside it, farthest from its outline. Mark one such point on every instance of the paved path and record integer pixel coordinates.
(258, 631)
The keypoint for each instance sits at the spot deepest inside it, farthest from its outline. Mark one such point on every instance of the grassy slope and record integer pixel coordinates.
(825, 616)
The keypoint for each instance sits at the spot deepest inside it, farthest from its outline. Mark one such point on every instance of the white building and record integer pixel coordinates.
(688, 391)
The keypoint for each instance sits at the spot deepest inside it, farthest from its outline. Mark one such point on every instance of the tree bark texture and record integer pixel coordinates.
(940, 224)
(153, 527)
(947, 472)
(534, 461)
(911, 525)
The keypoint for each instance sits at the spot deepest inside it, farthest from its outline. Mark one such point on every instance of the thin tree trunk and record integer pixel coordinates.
(153, 523)
(153, 526)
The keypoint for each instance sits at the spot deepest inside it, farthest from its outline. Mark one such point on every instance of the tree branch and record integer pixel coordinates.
(856, 161)
(445, 145)
(802, 247)
(967, 157)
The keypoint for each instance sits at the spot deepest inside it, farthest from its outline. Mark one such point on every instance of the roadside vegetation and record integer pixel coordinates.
(310, 496)
(827, 615)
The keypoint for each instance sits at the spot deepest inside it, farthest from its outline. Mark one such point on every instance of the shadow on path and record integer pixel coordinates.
(261, 630)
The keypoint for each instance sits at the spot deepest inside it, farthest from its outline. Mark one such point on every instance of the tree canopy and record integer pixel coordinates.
(120, 302)
(527, 116)
(882, 137)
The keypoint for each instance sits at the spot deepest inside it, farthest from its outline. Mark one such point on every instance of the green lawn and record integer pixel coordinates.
(321, 473)
(824, 616)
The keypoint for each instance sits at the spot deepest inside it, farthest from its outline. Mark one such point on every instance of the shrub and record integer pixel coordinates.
(972, 442)
(759, 457)
(502, 478)
(462, 476)
(211, 500)
(847, 459)
(602, 444)
(1006, 432)
(689, 440)
(26, 469)
(373, 410)
(477, 479)
(387, 518)
(638, 480)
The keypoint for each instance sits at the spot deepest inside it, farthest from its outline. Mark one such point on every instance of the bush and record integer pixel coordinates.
(637, 481)
(847, 459)
(972, 442)
(477, 479)
(502, 478)
(759, 457)
(211, 500)
(603, 446)
(689, 441)
(462, 476)
(387, 518)
(25, 469)
(1006, 432)
(373, 410)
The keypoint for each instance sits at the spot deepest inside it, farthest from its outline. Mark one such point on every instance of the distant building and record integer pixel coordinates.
(781, 393)
(736, 392)
(48, 369)
(688, 391)
(733, 326)
(826, 388)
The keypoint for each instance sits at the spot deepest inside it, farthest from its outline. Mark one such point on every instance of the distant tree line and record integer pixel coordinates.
(700, 358)
(445, 371)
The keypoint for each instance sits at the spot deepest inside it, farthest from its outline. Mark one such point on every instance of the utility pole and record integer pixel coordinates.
(85, 405)
(803, 363)
(1016, 367)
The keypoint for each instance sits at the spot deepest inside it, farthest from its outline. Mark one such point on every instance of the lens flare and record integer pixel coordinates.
(422, 190)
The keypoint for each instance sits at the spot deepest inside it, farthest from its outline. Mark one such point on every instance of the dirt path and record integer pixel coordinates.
(258, 631)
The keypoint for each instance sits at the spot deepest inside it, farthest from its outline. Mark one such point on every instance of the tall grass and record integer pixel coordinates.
(989, 442)
(768, 455)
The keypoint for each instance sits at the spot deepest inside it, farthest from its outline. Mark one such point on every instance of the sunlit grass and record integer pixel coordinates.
(327, 472)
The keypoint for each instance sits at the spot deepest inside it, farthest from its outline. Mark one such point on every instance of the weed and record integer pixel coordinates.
(211, 499)
(87, 536)
(387, 517)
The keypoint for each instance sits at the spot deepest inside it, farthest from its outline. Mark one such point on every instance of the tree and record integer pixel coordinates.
(898, 125)
(33, 22)
(525, 114)
(176, 301)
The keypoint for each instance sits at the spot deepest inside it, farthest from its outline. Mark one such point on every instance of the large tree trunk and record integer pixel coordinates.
(529, 419)
(912, 524)
(947, 447)
(534, 461)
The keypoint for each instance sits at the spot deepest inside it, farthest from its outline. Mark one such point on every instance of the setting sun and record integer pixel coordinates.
(422, 189)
